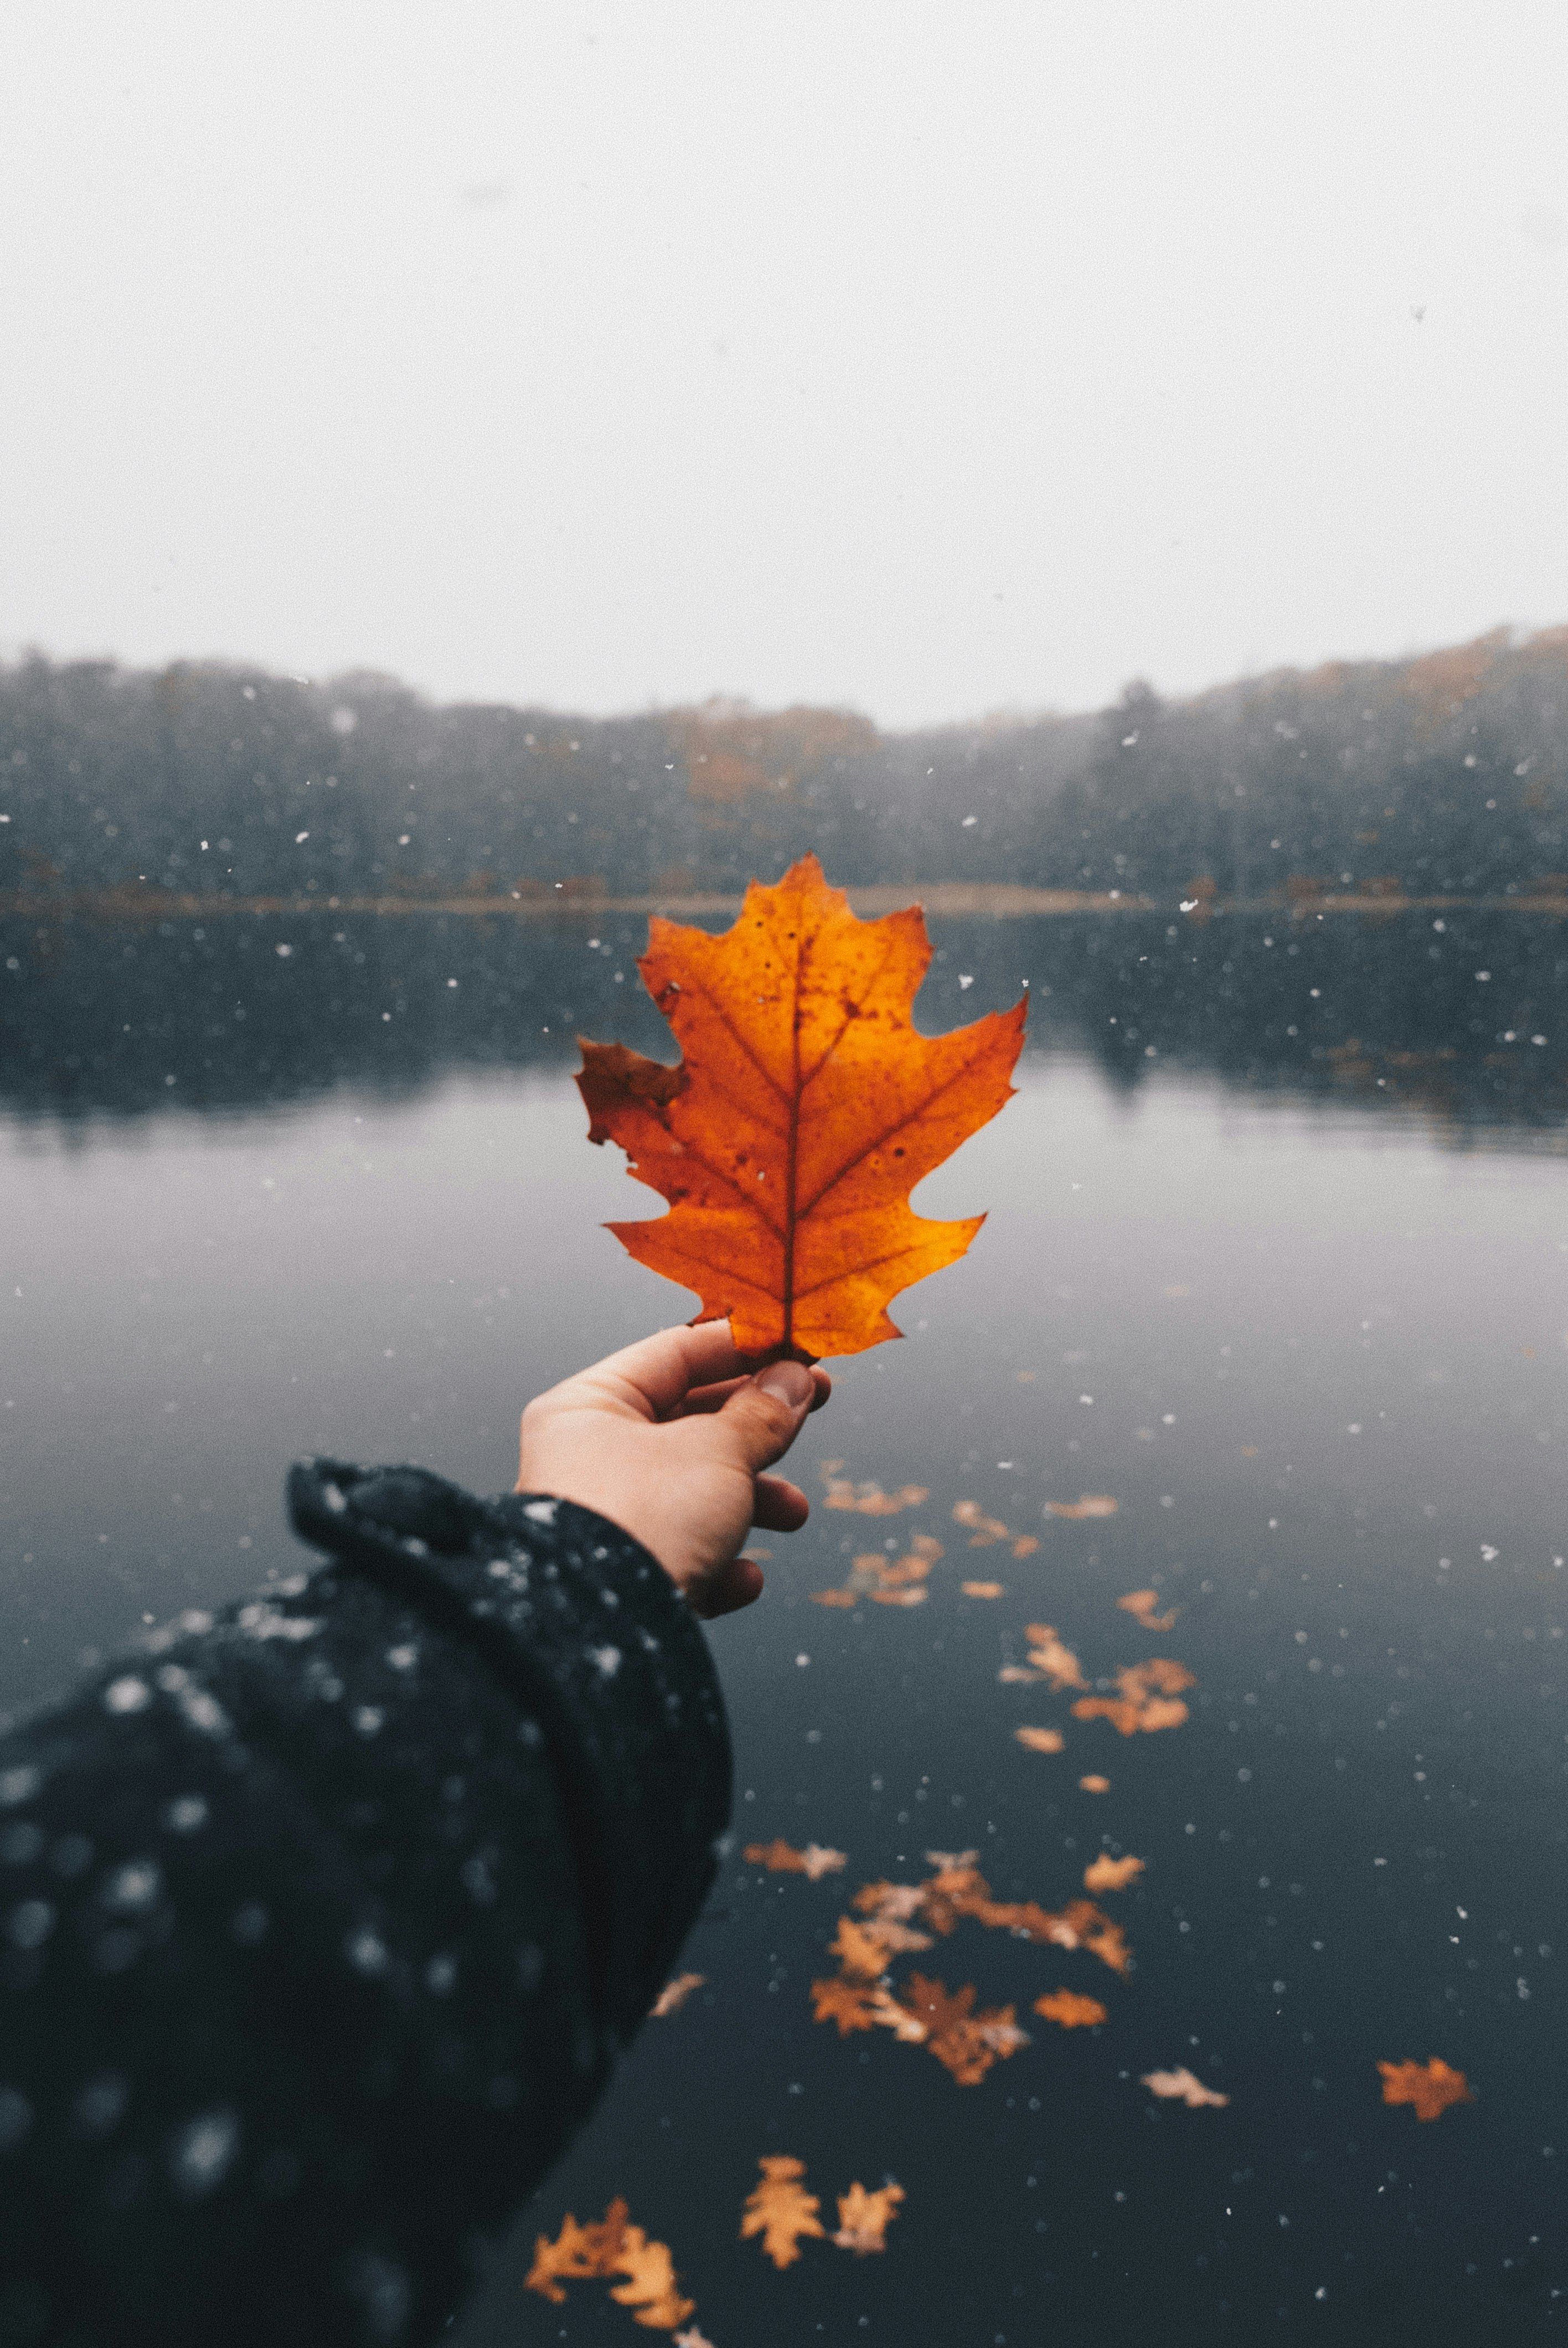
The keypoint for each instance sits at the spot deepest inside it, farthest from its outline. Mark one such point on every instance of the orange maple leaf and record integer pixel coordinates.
(781, 2209)
(1139, 1706)
(1082, 1925)
(1108, 1874)
(803, 1111)
(985, 1531)
(850, 2003)
(1048, 1654)
(1041, 1740)
(888, 1907)
(673, 1996)
(1072, 2010)
(652, 2289)
(1094, 1784)
(965, 2042)
(576, 2254)
(915, 1565)
(781, 1857)
(1183, 2086)
(1159, 1671)
(863, 2217)
(1142, 1604)
(958, 1889)
(860, 1954)
(868, 1499)
(886, 1582)
(896, 1902)
(584, 2253)
(982, 1530)
(1088, 1504)
(1126, 1718)
(981, 1589)
(1430, 2087)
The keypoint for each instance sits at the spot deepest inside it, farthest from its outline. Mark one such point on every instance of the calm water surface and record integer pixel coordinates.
(1281, 1273)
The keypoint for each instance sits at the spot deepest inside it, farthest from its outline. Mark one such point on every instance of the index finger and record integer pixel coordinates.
(663, 1369)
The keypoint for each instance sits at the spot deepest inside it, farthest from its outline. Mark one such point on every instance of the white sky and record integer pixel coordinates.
(928, 357)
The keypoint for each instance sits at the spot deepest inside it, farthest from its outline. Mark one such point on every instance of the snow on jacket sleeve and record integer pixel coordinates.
(322, 1922)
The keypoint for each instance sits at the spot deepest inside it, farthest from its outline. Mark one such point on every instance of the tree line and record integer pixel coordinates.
(1445, 773)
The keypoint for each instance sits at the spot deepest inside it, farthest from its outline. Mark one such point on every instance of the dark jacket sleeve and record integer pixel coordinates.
(322, 1922)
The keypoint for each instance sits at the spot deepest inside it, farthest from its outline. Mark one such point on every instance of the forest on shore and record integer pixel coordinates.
(1445, 773)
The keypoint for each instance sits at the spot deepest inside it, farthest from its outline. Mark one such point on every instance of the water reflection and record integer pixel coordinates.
(1227, 1282)
(1456, 1017)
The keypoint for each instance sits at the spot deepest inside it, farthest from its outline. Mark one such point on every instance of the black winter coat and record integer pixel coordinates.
(322, 1923)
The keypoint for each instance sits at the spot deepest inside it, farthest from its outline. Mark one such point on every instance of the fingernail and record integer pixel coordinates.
(789, 1382)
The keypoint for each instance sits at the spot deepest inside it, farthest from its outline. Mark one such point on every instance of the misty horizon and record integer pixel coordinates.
(723, 700)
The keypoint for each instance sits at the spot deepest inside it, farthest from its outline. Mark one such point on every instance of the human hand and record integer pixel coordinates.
(668, 1438)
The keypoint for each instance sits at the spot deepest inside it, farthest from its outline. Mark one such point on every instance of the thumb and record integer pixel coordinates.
(764, 1416)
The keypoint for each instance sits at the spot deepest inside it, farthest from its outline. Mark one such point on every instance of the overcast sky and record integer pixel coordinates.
(928, 358)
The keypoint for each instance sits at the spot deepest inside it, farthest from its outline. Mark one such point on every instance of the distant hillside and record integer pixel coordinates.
(1446, 772)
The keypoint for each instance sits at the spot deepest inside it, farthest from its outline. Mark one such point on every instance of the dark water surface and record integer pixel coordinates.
(1281, 1272)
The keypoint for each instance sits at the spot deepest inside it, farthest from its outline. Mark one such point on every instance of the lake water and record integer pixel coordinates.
(1275, 1260)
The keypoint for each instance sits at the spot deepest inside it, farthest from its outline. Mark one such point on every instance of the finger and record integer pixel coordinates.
(780, 1507)
(733, 1586)
(702, 1400)
(764, 1417)
(658, 1372)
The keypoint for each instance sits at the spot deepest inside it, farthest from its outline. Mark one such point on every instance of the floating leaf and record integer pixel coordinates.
(673, 1996)
(1430, 2087)
(1053, 1660)
(651, 2290)
(986, 1531)
(1084, 1926)
(847, 2002)
(915, 1565)
(1181, 2085)
(1088, 1504)
(1142, 1605)
(863, 2217)
(583, 2253)
(924, 2011)
(1041, 1740)
(965, 2042)
(1108, 1874)
(803, 1112)
(888, 1582)
(860, 1952)
(981, 1589)
(781, 2210)
(893, 1902)
(781, 1857)
(1071, 2010)
(1139, 1706)
(888, 2014)
(868, 1499)
(1092, 1785)
(958, 1890)
(575, 2256)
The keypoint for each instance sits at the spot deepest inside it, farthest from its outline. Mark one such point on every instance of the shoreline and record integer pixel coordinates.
(995, 901)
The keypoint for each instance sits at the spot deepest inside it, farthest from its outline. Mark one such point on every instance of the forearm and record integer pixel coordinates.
(323, 1924)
